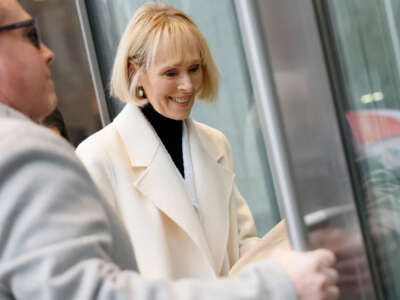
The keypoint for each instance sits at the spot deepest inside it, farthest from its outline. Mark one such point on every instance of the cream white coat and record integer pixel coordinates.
(134, 171)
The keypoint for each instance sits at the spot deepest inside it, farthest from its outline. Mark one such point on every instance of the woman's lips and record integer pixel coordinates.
(181, 101)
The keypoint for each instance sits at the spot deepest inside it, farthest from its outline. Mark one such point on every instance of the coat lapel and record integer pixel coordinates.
(214, 185)
(155, 176)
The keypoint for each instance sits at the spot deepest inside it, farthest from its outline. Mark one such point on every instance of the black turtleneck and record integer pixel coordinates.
(169, 131)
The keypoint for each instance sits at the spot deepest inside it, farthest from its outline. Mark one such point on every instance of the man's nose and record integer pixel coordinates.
(47, 53)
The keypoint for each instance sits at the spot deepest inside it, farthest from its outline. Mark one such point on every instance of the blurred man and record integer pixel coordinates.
(58, 237)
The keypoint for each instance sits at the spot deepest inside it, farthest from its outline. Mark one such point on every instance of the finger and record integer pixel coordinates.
(332, 292)
(324, 257)
(331, 275)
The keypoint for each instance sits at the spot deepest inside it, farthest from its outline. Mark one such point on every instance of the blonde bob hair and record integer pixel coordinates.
(154, 26)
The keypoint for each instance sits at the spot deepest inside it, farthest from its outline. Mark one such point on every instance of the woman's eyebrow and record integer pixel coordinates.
(178, 64)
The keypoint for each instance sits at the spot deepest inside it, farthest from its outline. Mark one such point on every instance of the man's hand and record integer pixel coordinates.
(311, 273)
(351, 264)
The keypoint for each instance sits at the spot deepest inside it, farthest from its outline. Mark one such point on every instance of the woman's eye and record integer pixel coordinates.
(170, 73)
(194, 68)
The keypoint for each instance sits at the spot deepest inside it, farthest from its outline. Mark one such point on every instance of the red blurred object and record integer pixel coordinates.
(370, 126)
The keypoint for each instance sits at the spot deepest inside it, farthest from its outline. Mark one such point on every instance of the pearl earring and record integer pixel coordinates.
(140, 92)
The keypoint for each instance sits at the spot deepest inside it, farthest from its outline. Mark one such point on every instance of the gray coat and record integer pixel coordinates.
(60, 240)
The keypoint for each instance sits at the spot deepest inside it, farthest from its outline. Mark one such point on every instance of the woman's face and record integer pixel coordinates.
(171, 84)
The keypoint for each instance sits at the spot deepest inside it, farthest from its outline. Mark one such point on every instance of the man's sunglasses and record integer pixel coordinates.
(33, 35)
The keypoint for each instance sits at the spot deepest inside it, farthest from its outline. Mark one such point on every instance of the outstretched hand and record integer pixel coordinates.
(312, 273)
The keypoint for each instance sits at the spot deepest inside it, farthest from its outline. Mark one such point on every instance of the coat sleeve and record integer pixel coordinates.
(58, 238)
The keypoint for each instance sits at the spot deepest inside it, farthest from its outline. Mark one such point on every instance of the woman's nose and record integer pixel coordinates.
(186, 83)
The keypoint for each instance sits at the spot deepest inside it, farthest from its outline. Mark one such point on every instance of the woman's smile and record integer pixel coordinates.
(181, 101)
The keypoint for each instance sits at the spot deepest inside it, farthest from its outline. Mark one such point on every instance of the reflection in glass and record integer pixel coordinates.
(343, 237)
(365, 52)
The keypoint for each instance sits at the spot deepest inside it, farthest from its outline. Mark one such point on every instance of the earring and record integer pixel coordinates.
(140, 92)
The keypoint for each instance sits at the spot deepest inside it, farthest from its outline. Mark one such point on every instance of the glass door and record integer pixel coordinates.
(363, 50)
(330, 197)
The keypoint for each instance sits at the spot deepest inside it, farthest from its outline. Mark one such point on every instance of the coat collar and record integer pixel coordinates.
(7, 111)
(138, 136)
(201, 140)
(131, 124)
(157, 179)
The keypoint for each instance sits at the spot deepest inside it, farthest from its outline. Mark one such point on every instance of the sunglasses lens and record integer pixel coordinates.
(34, 37)
(36, 40)
(33, 34)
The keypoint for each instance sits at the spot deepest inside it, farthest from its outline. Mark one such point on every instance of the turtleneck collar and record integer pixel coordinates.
(170, 133)
(157, 119)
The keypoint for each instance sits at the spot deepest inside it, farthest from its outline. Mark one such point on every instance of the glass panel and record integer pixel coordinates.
(364, 53)
(70, 70)
(234, 113)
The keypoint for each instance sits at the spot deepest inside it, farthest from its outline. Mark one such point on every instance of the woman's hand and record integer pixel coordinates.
(312, 273)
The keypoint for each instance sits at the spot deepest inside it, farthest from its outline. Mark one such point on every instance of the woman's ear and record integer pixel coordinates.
(131, 68)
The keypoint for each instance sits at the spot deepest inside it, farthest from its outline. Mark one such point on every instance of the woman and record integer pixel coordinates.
(169, 177)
